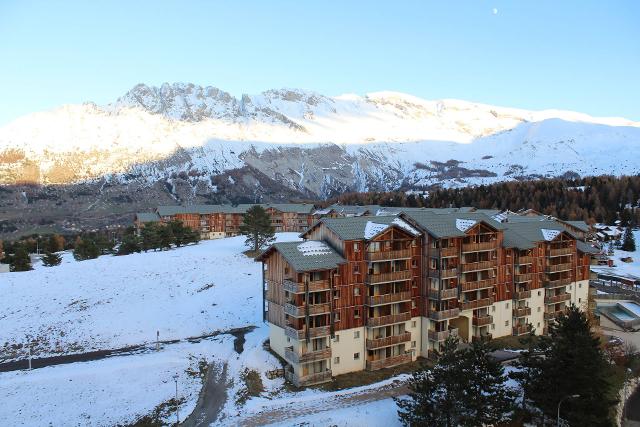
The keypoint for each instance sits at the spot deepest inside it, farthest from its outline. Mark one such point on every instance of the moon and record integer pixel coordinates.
(495, 11)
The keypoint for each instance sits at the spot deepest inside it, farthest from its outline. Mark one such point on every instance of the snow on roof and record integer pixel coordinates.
(464, 224)
(372, 228)
(403, 224)
(549, 234)
(313, 247)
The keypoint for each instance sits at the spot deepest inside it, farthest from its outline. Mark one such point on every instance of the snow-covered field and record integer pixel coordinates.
(115, 302)
(625, 268)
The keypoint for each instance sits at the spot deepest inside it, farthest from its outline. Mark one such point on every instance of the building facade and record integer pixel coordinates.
(366, 293)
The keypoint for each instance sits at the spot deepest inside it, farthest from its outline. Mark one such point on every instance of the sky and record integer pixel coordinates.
(573, 55)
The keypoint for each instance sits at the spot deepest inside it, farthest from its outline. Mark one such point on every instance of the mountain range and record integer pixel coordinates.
(184, 143)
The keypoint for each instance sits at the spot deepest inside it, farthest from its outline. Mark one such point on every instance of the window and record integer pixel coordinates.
(356, 313)
(539, 293)
(569, 287)
(356, 268)
(336, 293)
(580, 285)
(288, 339)
(356, 247)
(413, 323)
(356, 335)
(493, 326)
(538, 324)
(356, 291)
(286, 270)
(579, 299)
(413, 303)
(356, 356)
(413, 344)
(506, 323)
(506, 305)
(539, 308)
(414, 263)
(336, 316)
(413, 243)
(493, 308)
(336, 360)
(336, 338)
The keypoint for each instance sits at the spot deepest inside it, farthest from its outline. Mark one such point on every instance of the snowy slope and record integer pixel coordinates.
(378, 141)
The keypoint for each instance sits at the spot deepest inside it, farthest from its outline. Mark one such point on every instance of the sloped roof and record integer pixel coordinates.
(360, 227)
(586, 248)
(442, 225)
(304, 208)
(526, 234)
(309, 255)
(147, 217)
(580, 225)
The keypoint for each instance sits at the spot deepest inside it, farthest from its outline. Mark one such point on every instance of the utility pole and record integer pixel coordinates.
(175, 378)
(29, 356)
(157, 340)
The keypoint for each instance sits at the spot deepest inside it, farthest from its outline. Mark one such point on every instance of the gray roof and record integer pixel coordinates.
(580, 225)
(304, 208)
(353, 228)
(526, 234)
(442, 225)
(354, 210)
(586, 248)
(299, 261)
(147, 217)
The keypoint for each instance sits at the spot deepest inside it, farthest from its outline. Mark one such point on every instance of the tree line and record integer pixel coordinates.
(601, 199)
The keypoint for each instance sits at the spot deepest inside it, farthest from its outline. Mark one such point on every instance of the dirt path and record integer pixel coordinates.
(212, 398)
(292, 409)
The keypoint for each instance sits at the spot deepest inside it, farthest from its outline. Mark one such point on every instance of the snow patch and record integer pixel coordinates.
(549, 234)
(464, 224)
(403, 224)
(313, 247)
(372, 229)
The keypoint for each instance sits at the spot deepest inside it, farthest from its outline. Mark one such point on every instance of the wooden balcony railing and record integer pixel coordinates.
(525, 277)
(314, 286)
(521, 311)
(479, 303)
(444, 274)
(479, 266)
(561, 252)
(308, 356)
(482, 320)
(372, 300)
(373, 365)
(443, 294)
(448, 252)
(557, 298)
(310, 379)
(558, 267)
(301, 310)
(520, 330)
(524, 260)
(388, 255)
(486, 336)
(478, 284)
(392, 276)
(557, 283)
(482, 246)
(388, 320)
(300, 334)
(444, 314)
(375, 343)
(521, 295)
(441, 335)
(552, 315)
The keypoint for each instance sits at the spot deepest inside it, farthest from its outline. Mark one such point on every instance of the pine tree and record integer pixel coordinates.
(51, 259)
(573, 363)
(85, 249)
(20, 260)
(165, 237)
(130, 243)
(628, 242)
(182, 234)
(257, 227)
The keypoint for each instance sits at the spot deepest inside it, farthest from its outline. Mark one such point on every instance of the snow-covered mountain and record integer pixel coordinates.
(307, 143)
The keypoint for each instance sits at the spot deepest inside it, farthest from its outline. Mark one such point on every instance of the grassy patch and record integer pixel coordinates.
(252, 254)
(252, 386)
(160, 412)
(509, 342)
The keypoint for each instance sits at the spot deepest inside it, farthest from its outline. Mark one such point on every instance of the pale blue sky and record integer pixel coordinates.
(577, 55)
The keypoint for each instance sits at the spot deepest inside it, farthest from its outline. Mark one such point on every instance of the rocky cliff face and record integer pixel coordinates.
(184, 141)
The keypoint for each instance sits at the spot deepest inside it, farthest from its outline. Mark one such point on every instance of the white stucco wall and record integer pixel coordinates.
(416, 336)
(344, 347)
(277, 339)
(536, 302)
(502, 312)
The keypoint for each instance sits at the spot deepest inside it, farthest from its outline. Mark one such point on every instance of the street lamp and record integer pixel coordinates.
(175, 378)
(571, 396)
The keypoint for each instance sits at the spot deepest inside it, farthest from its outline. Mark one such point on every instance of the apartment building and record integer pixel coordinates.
(366, 293)
(218, 221)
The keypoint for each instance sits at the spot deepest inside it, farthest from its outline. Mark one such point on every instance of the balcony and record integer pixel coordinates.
(309, 379)
(525, 277)
(558, 267)
(479, 303)
(308, 356)
(299, 288)
(521, 295)
(444, 274)
(373, 300)
(554, 299)
(557, 283)
(314, 332)
(301, 310)
(373, 365)
(392, 276)
(486, 336)
(561, 252)
(552, 315)
(441, 335)
(478, 284)
(443, 314)
(391, 319)
(479, 266)
(448, 252)
(521, 311)
(388, 255)
(482, 246)
(375, 343)
(521, 330)
(524, 260)
(482, 320)
(443, 294)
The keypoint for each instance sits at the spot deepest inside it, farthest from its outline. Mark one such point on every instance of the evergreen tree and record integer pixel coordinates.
(150, 236)
(572, 362)
(51, 259)
(628, 242)
(528, 366)
(55, 243)
(182, 234)
(85, 249)
(257, 227)
(130, 243)
(165, 237)
(20, 260)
